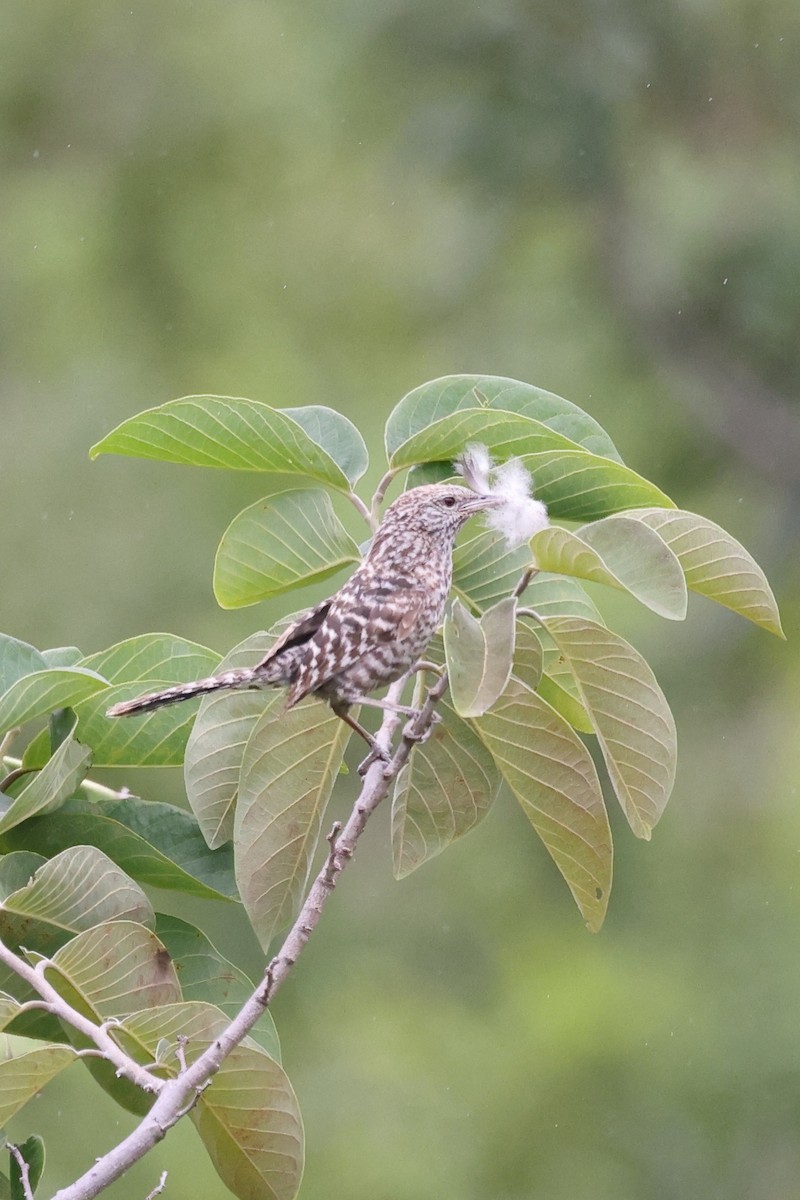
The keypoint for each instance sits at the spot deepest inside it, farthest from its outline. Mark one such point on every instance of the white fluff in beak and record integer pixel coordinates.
(518, 516)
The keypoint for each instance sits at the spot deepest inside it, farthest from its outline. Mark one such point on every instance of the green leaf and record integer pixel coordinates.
(113, 969)
(32, 1151)
(204, 974)
(63, 656)
(577, 486)
(715, 564)
(503, 433)
(224, 431)
(445, 789)
(56, 781)
(137, 665)
(552, 775)
(559, 595)
(479, 655)
(631, 717)
(73, 891)
(23, 1072)
(249, 1119)
(153, 658)
(290, 765)
(289, 539)
(216, 743)
(453, 393)
(17, 659)
(528, 655)
(614, 552)
(43, 691)
(485, 570)
(156, 844)
(335, 435)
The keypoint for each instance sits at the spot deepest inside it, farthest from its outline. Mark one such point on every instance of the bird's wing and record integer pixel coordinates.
(300, 631)
(394, 616)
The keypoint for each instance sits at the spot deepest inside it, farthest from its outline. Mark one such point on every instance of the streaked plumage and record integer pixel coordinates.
(374, 629)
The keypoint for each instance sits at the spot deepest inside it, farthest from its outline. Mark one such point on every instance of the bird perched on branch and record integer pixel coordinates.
(374, 629)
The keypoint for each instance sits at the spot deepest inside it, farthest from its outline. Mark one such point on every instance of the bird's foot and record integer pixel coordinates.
(411, 735)
(376, 754)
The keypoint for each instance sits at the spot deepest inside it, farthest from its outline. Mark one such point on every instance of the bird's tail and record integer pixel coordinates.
(245, 677)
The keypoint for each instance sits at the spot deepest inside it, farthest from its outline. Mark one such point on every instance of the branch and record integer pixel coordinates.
(58, 1006)
(24, 1171)
(177, 1095)
(380, 492)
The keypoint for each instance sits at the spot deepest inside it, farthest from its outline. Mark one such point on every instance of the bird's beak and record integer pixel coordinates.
(480, 504)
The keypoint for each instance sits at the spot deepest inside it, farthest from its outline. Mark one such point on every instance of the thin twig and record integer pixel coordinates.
(158, 1189)
(361, 507)
(24, 1171)
(178, 1095)
(14, 775)
(89, 785)
(525, 578)
(380, 492)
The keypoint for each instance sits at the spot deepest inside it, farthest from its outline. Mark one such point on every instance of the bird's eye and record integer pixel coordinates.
(449, 501)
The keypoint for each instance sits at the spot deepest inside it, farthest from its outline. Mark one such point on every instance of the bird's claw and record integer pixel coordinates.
(411, 735)
(377, 754)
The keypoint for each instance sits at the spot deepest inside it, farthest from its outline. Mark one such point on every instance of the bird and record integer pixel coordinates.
(369, 633)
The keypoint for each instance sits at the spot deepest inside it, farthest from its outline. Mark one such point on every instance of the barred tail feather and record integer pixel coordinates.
(243, 678)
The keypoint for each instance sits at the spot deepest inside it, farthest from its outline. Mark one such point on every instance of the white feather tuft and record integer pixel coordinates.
(474, 465)
(519, 516)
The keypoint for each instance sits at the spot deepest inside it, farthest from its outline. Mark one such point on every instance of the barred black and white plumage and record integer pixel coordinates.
(374, 629)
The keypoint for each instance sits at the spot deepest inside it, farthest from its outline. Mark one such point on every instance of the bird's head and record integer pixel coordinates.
(435, 509)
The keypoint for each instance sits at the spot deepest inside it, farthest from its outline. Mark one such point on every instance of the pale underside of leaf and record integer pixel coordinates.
(631, 717)
(216, 743)
(479, 655)
(616, 551)
(444, 790)
(289, 768)
(715, 564)
(553, 777)
(116, 968)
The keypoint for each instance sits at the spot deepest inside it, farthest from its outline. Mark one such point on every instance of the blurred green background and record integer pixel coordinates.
(331, 203)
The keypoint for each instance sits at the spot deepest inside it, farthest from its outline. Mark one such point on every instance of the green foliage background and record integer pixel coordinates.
(331, 205)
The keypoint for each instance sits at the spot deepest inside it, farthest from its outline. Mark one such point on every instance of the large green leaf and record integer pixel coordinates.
(17, 659)
(138, 665)
(289, 768)
(337, 436)
(204, 974)
(248, 1119)
(551, 773)
(73, 891)
(56, 781)
(453, 393)
(479, 655)
(445, 789)
(715, 564)
(287, 540)
(622, 553)
(631, 717)
(503, 433)
(156, 844)
(24, 1072)
(577, 486)
(153, 657)
(485, 570)
(559, 595)
(43, 691)
(224, 431)
(113, 969)
(216, 743)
